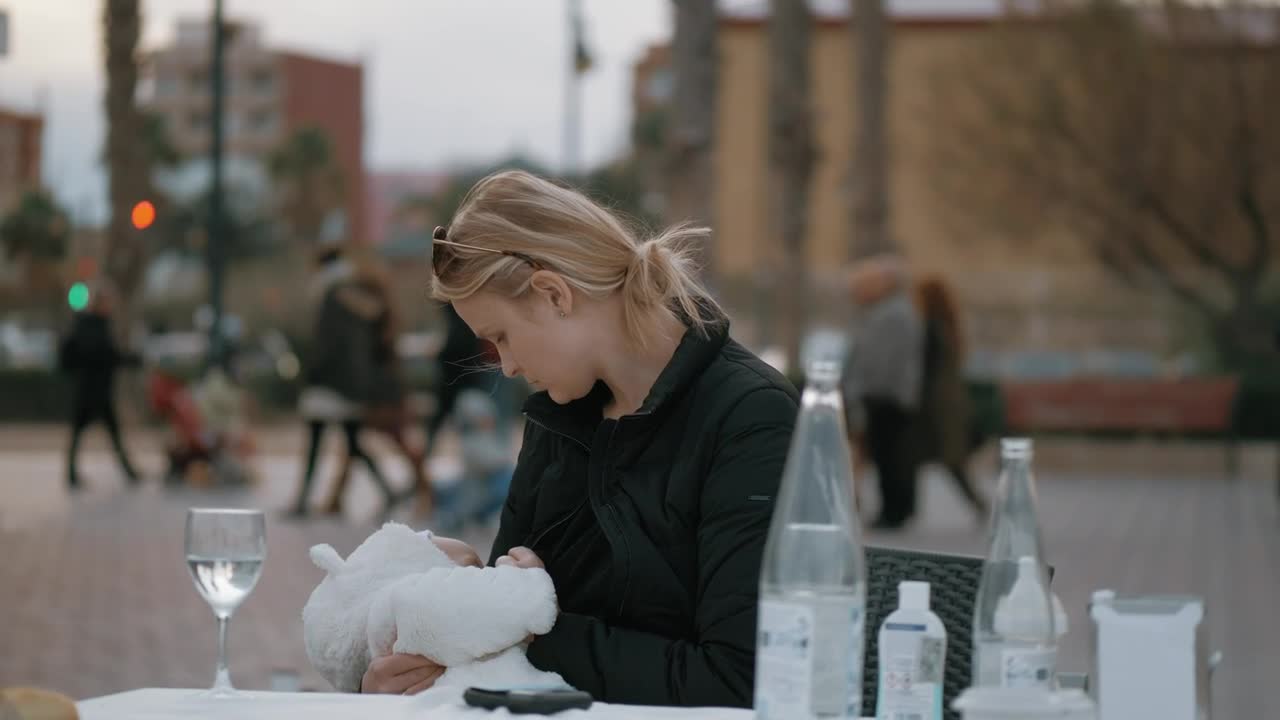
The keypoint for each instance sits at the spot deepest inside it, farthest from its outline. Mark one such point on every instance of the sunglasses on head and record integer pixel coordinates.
(440, 256)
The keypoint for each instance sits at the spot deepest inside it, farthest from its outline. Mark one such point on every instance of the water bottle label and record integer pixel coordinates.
(809, 659)
(784, 661)
(1027, 667)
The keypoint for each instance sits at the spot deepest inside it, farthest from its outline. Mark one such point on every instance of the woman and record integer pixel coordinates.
(943, 429)
(339, 369)
(652, 449)
(384, 396)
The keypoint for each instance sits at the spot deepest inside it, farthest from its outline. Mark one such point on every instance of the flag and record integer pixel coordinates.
(582, 59)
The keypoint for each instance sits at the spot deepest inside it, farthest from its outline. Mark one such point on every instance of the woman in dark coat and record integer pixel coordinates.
(653, 446)
(944, 423)
(384, 396)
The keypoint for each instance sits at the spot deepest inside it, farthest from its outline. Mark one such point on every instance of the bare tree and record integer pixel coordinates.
(869, 34)
(1148, 135)
(690, 134)
(791, 159)
(128, 164)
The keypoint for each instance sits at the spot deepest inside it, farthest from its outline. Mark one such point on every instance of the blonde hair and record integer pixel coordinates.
(514, 220)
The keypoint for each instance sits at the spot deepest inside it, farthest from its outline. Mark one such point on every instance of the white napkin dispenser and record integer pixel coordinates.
(1151, 657)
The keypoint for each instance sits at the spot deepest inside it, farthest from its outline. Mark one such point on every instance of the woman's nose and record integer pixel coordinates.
(509, 368)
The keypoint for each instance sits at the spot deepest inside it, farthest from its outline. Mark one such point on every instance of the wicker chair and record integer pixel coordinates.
(953, 581)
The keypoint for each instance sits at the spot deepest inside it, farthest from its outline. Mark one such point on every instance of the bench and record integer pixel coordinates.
(1202, 407)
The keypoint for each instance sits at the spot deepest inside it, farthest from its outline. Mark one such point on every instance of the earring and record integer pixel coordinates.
(562, 313)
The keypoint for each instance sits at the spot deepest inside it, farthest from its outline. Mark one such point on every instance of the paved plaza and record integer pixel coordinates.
(95, 597)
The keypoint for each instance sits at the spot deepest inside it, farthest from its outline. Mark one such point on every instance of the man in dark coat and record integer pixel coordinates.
(90, 356)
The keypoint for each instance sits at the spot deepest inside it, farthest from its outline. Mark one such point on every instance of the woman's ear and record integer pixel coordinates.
(551, 287)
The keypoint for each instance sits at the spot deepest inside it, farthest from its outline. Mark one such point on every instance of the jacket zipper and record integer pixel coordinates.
(613, 516)
(566, 436)
(607, 507)
(568, 516)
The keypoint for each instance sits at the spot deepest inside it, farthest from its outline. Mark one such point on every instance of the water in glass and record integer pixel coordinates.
(225, 550)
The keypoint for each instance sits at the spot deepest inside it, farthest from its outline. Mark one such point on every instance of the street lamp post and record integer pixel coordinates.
(216, 224)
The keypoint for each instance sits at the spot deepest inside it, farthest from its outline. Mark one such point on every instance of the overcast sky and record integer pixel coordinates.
(447, 81)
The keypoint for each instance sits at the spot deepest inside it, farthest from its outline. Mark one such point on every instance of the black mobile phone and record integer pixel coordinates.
(528, 702)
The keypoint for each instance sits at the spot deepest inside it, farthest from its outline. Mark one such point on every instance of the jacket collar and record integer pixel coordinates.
(578, 419)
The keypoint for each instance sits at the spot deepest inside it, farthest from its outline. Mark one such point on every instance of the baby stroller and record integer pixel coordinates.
(208, 442)
(477, 494)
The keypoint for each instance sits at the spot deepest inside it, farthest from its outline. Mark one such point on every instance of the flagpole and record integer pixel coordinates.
(573, 92)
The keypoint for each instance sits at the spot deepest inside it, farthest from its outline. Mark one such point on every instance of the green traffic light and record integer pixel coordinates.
(78, 296)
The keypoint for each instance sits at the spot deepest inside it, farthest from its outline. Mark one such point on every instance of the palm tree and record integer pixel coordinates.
(694, 59)
(34, 240)
(870, 186)
(308, 181)
(127, 161)
(791, 157)
(158, 147)
(37, 230)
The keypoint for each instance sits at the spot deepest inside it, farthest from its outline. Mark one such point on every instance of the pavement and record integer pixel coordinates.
(95, 597)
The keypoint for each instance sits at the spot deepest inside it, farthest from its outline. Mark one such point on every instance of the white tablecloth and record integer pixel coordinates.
(441, 704)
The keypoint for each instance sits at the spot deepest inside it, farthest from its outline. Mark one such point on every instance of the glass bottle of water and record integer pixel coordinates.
(1014, 644)
(813, 581)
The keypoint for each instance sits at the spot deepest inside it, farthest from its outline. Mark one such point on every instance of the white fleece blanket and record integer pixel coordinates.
(400, 593)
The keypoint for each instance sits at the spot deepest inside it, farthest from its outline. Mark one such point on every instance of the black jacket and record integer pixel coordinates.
(90, 356)
(461, 356)
(344, 352)
(653, 526)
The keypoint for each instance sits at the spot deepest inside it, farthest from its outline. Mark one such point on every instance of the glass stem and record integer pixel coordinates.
(222, 680)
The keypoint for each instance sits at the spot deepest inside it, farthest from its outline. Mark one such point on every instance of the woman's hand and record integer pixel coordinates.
(462, 554)
(521, 557)
(400, 674)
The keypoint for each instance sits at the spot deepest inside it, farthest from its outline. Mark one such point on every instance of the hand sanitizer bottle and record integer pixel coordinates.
(913, 653)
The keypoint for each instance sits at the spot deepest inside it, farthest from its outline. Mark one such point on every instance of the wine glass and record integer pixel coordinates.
(225, 552)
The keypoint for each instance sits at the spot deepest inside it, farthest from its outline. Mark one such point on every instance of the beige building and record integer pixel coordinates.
(1043, 295)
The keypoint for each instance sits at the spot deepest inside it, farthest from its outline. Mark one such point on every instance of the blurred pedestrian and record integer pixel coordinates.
(462, 364)
(883, 376)
(90, 356)
(385, 408)
(339, 367)
(943, 429)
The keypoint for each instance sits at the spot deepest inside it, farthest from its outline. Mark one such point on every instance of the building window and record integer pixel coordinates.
(661, 85)
(262, 121)
(198, 81)
(166, 84)
(262, 81)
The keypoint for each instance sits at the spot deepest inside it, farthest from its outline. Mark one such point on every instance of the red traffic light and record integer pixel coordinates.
(86, 268)
(144, 213)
